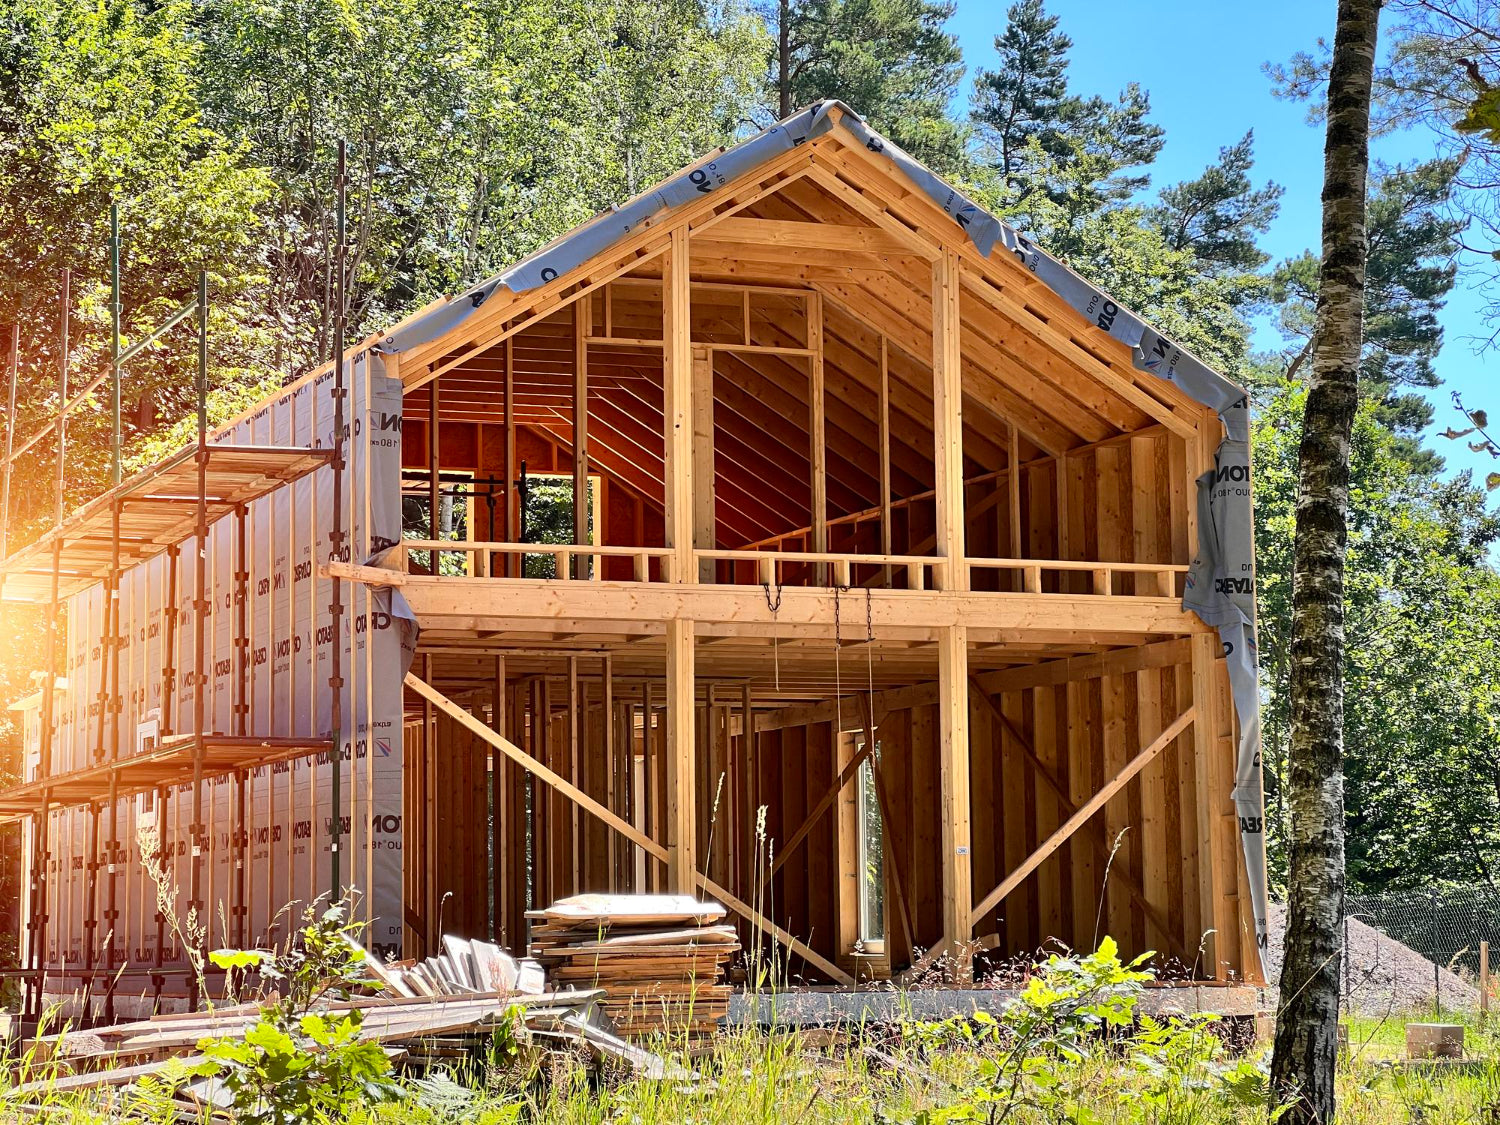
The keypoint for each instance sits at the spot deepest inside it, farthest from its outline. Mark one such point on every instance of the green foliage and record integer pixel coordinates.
(1422, 675)
(891, 60)
(477, 132)
(99, 103)
(1437, 79)
(1410, 272)
(1069, 169)
(1041, 1057)
(295, 1063)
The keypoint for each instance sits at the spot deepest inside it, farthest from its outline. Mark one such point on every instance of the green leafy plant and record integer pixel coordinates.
(1074, 1025)
(297, 1063)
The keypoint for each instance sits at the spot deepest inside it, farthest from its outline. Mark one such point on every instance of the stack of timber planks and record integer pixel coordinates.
(658, 959)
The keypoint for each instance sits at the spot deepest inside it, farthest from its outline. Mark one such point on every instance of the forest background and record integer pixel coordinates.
(478, 131)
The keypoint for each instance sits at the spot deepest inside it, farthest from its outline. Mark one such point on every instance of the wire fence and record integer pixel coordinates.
(1405, 950)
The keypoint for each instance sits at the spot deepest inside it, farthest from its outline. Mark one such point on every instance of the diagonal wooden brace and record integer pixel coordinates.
(1082, 816)
(619, 824)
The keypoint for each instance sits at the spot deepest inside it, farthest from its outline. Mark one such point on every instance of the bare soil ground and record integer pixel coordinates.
(1385, 977)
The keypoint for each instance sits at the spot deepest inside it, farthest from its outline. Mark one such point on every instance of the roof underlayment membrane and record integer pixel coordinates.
(1220, 586)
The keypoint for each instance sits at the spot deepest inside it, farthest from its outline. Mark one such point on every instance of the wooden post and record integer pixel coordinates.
(500, 824)
(677, 389)
(1214, 890)
(682, 812)
(886, 531)
(948, 430)
(817, 427)
(513, 561)
(957, 862)
(1013, 488)
(705, 529)
(581, 310)
(1484, 980)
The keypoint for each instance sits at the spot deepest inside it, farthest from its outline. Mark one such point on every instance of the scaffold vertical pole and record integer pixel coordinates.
(241, 712)
(112, 637)
(160, 859)
(49, 676)
(169, 646)
(10, 437)
(114, 342)
(91, 908)
(112, 699)
(336, 541)
(200, 621)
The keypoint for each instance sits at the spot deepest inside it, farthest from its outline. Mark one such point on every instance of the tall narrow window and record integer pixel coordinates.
(871, 855)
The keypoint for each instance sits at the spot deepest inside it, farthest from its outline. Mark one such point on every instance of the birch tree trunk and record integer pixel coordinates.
(1302, 1067)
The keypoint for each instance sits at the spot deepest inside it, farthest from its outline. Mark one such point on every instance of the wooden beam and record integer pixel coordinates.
(705, 523)
(953, 774)
(1083, 815)
(948, 426)
(1216, 860)
(817, 414)
(1013, 492)
(512, 505)
(682, 813)
(677, 395)
(886, 530)
(582, 314)
(813, 236)
(1090, 666)
(544, 605)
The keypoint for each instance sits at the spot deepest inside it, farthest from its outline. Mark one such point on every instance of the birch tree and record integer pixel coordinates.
(1302, 1066)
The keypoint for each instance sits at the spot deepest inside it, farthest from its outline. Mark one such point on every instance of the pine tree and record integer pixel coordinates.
(1411, 269)
(1219, 215)
(1024, 98)
(1037, 133)
(889, 60)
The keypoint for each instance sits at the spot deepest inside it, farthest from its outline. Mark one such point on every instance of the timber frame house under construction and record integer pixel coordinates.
(869, 623)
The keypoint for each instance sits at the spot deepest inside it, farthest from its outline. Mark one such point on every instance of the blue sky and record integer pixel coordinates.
(1201, 63)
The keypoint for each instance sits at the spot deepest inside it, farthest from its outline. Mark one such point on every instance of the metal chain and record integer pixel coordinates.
(774, 607)
(869, 664)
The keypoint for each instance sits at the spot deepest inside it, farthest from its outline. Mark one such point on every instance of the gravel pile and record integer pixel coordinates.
(1385, 977)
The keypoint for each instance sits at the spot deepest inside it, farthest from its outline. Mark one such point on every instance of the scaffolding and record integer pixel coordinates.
(140, 517)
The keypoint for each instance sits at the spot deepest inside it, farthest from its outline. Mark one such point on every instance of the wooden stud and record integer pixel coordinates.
(677, 409)
(705, 536)
(513, 563)
(682, 813)
(817, 412)
(947, 403)
(886, 531)
(582, 311)
(953, 750)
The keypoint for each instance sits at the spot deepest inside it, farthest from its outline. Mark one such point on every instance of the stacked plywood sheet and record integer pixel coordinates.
(659, 959)
(466, 966)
